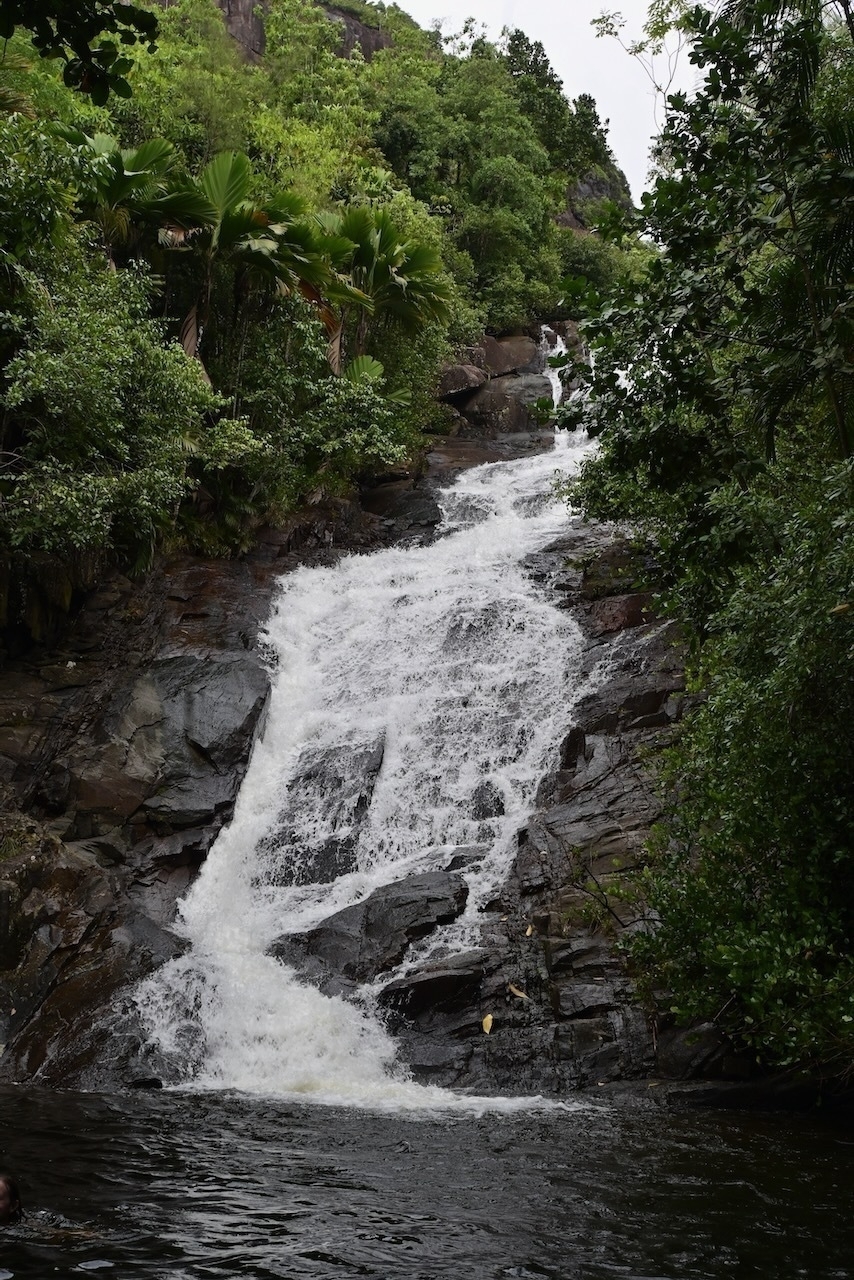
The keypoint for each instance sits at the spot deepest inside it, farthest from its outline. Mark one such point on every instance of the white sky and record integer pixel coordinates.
(623, 93)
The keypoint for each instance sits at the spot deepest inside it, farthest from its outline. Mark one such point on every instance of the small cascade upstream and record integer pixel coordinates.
(418, 700)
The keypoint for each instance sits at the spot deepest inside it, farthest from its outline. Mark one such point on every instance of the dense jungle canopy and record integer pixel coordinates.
(213, 270)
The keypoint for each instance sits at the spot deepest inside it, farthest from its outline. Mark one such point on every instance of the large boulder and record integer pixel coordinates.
(503, 405)
(175, 739)
(528, 388)
(458, 379)
(359, 943)
(512, 355)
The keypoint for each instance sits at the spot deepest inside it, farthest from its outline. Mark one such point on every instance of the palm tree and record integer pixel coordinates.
(402, 279)
(127, 187)
(271, 245)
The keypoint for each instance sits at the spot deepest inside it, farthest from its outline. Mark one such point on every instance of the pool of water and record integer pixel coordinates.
(181, 1186)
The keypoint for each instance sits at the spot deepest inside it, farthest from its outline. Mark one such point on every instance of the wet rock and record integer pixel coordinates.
(447, 985)
(487, 801)
(616, 613)
(503, 405)
(458, 379)
(465, 856)
(178, 733)
(528, 387)
(492, 411)
(565, 1014)
(245, 22)
(122, 753)
(512, 355)
(340, 784)
(365, 940)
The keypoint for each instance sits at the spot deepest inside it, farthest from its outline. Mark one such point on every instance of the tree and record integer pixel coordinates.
(71, 30)
(723, 388)
(401, 281)
(100, 416)
(125, 187)
(213, 220)
(574, 138)
(199, 92)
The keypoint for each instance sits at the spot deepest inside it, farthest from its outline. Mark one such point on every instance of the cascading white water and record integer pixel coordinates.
(419, 697)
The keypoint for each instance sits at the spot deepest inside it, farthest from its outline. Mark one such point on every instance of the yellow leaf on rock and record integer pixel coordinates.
(517, 992)
(529, 931)
(487, 1023)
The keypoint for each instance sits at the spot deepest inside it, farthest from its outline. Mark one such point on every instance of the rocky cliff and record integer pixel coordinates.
(245, 22)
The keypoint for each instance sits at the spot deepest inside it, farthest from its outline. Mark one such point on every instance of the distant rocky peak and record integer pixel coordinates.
(245, 22)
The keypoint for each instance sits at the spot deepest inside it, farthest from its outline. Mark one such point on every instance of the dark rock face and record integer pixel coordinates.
(245, 22)
(512, 355)
(361, 942)
(564, 1012)
(120, 757)
(369, 39)
(174, 741)
(584, 198)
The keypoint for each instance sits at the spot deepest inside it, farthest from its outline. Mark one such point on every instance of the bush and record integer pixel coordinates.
(101, 414)
(752, 876)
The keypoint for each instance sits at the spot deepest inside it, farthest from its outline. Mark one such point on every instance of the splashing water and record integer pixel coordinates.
(417, 703)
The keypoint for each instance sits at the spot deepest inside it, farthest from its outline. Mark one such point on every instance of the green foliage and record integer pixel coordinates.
(73, 29)
(572, 134)
(198, 92)
(724, 393)
(97, 414)
(474, 138)
(312, 232)
(37, 174)
(753, 878)
(305, 432)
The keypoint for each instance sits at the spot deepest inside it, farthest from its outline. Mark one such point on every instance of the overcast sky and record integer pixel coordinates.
(623, 93)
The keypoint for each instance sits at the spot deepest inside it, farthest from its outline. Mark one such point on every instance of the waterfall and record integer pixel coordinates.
(409, 684)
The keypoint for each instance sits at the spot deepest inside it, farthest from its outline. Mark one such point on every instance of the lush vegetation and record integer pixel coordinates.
(81, 32)
(226, 288)
(724, 392)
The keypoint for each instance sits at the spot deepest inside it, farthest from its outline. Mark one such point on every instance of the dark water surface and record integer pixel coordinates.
(188, 1186)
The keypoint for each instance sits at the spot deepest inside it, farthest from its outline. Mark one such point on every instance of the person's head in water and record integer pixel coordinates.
(10, 1200)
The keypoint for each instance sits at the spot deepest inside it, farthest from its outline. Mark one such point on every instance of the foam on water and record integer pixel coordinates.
(418, 700)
